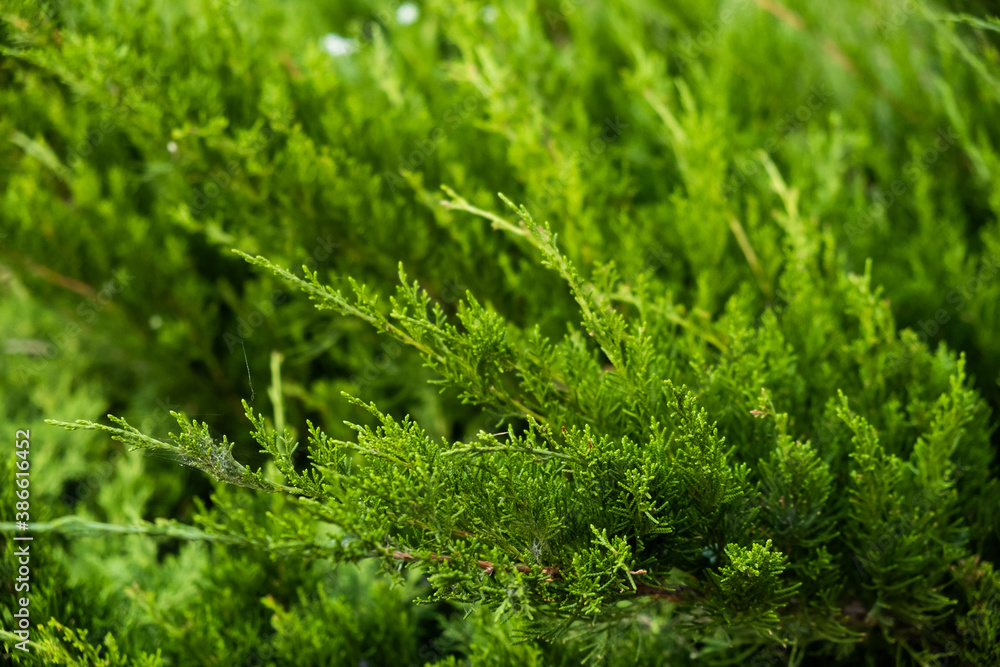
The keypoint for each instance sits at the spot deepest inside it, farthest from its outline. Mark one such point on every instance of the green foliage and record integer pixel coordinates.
(70, 647)
(717, 389)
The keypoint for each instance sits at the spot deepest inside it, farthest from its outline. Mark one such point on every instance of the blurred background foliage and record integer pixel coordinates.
(140, 140)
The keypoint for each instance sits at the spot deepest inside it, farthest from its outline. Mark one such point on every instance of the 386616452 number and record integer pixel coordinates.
(22, 445)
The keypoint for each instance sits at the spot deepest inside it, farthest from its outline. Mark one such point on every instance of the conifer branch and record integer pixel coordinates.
(194, 447)
(675, 594)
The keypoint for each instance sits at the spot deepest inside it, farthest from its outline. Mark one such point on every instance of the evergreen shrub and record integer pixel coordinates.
(712, 381)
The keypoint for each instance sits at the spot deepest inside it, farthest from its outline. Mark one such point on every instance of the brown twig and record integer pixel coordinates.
(796, 22)
(58, 279)
(678, 594)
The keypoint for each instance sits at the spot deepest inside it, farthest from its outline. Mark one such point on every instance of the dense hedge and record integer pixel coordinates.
(723, 391)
